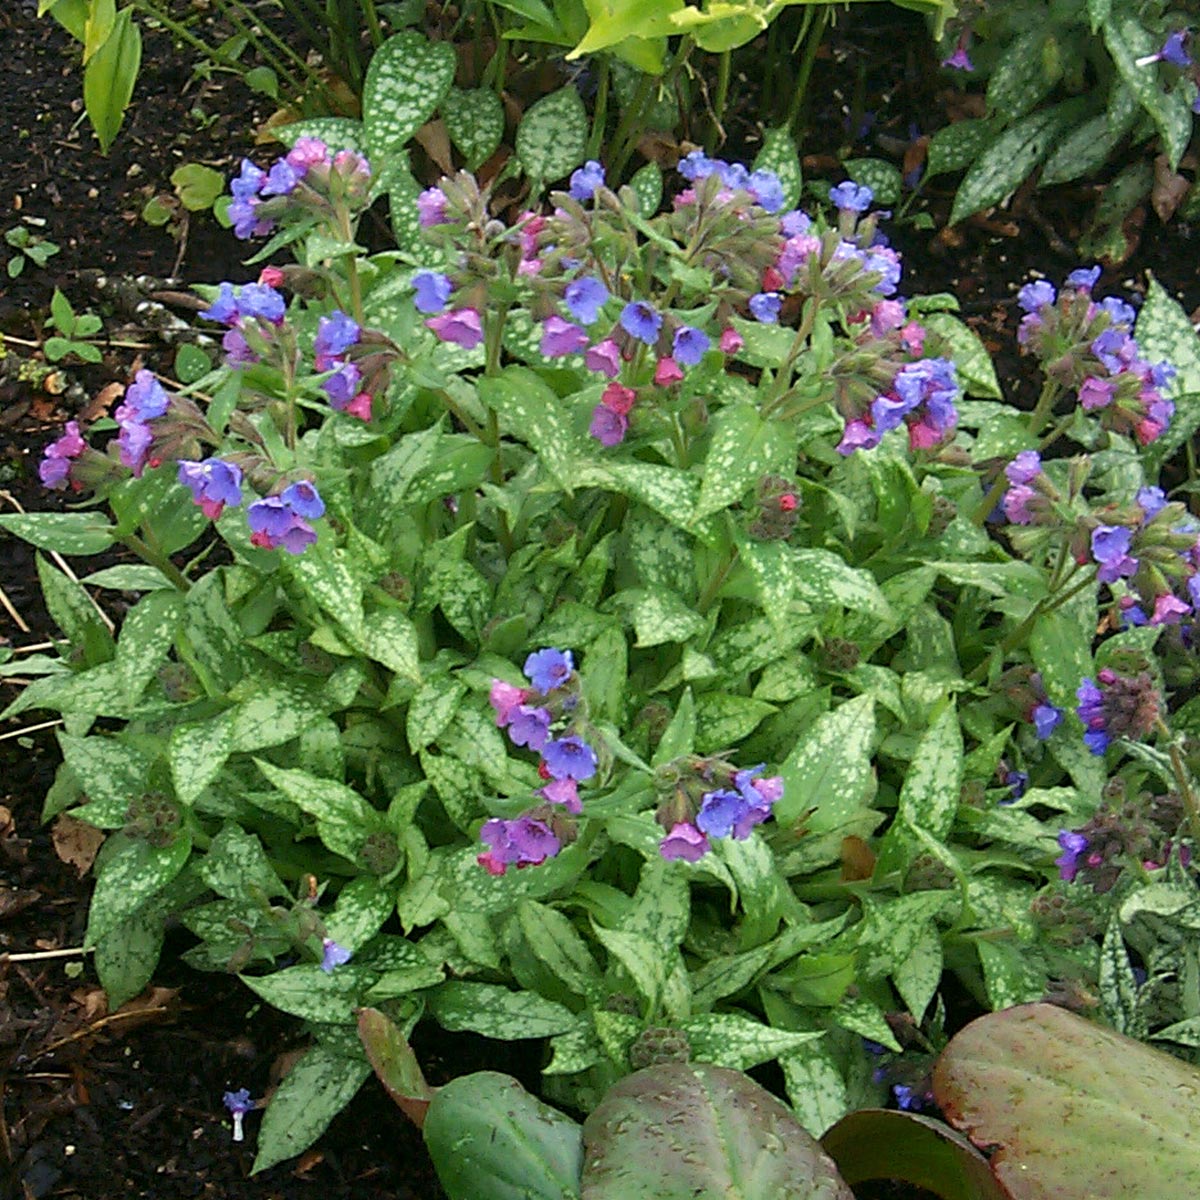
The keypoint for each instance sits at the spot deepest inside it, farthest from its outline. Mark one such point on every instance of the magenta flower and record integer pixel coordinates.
(731, 341)
(431, 208)
(55, 466)
(461, 326)
(564, 792)
(560, 338)
(607, 427)
(684, 841)
(505, 699)
(522, 842)
(666, 372)
(604, 357)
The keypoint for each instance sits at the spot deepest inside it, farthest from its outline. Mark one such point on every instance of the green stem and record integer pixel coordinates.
(632, 118)
(373, 26)
(184, 34)
(600, 110)
(156, 558)
(227, 8)
(1183, 779)
(716, 583)
(1037, 422)
(724, 73)
(783, 379)
(812, 33)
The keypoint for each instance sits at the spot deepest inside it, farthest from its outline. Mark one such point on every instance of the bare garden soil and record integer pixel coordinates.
(108, 1106)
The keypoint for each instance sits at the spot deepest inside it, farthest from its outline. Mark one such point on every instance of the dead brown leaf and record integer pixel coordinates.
(435, 141)
(15, 900)
(1169, 189)
(102, 402)
(76, 842)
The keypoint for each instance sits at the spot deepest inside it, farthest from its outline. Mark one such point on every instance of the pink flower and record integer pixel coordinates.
(886, 316)
(271, 277)
(731, 341)
(462, 326)
(1168, 610)
(922, 436)
(618, 399)
(505, 699)
(564, 792)
(608, 427)
(684, 841)
(360, 406)
(307, 152)
(1096, 393)
(604, 357)
(912, 336)
(667, 372)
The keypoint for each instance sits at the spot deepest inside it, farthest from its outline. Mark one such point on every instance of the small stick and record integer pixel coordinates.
(12, 612)
(31, 649)
(36, 955)
(12, 733)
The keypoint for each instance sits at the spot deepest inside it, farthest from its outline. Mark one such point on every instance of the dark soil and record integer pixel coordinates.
(99, 1109)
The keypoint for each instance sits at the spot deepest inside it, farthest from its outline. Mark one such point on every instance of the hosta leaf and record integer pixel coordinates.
(407, 79)
(552, 136)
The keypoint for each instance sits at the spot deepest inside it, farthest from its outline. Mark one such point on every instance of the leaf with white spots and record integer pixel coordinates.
(432, 709)
(133, 872)
(338, 133)
(110, 773)
(815, 1087)
(658, 616)
(647, 185)
(882, 177)
(723, 721)
(1165, 334)
(529, 408)
(475, 122)
(976, 374)
(957, 146)
(236, 866)
(552, 136)
(744, 448)
(407, 79)
(824, 580)
(344, 819)
(779, 154)
(1011, 975)
(738, 1042)
(497, 1012)
(830, 768)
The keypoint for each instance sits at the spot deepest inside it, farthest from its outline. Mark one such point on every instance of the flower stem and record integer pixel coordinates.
(1182, 777)
(156, 558)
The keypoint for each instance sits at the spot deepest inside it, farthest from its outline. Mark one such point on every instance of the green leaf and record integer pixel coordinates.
(744, 447)
(830, 768)
(68, 533)
(344, 818)
(1008, 161)
(647, 185)
(111, 773)
(74, 613)
(731, 1139)
(407, 79)
(974, 364)
(312, 1093)
(497, 1012)
(197, 186)
(552, 136)
(191, 363)
(723, 720)
(881, 176)
(929, 795)
(1164, 333)
(731, 1040)
(490, 1140)
(475, 122)
(338, 133)
(1023, 75)
(109, 77)
(530, 410)
(125, 957)
(1127, 40)
(132, 873)
(432, 709)
(237, 868)
(315, 995)
(779, 154)
(957, 146)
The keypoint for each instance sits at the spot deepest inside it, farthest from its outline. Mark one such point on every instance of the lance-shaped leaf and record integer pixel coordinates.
(686, 1130)
(1074, 1110)
(395, 1064)
(407, 79)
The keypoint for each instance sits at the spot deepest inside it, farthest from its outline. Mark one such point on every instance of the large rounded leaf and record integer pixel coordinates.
(874, 1143)
(491, 1140)
(1076, 1111)
(686, 1131)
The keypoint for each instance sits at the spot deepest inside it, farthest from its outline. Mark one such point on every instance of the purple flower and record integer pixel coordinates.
(335, 956)
(1168, 610)
(793, 224)
(529, 726)
(274, 524)
(585, 181)
(281, 179)
(1173, 51)
(304, 500)
(432, 291)
(133, 444)
(431, 208)
(549, 669)
(641, 321)
(505, 698)
(1096, 393)
(1073, 845)
(608, 427)
(765, 306)
(689, 345)
(1115, 349)
(336, 333)
(1110, 549)
(237, 350)
(604, 357)
(1037, 295)
(858, 435)
(719, 812)
(55, 466)
(1016, 504)
(521, 842)
(238, 1103)
(908, 1098)
(1046, 719)
(145, 399)
(461, 326)
(851, 196)
(1016, 782)
(214, 484)
(564, 792)
(684, 841)
(960, 60)
(1083, 278)
(343, 386)
(570, 758)
(1091, 712)
(1120, 312)
(560, 338)
(766, 189)
(1151, 500)
(248, 182)
(584, 298)
(1025, 468)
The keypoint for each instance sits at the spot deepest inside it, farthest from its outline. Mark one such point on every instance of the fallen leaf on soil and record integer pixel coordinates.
(435, 141)
(14, 900)
(1169, 189)
(100, 404)
(76, 842)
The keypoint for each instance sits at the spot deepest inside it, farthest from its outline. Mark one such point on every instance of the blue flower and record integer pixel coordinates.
(689, 345)
(213, 483)
(1173, 51)
(432, 291)
(336, 333)
(766, 189)
(238, 1103)
(765, 306)
(719, 813)
(260, 300)
(145, 399)
(529, 726)
(851, 196)
(641, 321)
(584, 298)
(1110, 549)
(1091, 712)
(1120, 312)
(335, 956)
(302, 498)
(281, 179)
(549, 669)
(794, 223)
(698, 165)
(1084, 278)
(1073, 845)
(585, 181)
(224, 308)
(1046, 719)
(570, 758)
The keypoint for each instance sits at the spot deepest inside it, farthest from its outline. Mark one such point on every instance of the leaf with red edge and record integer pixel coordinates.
(1075, 1111)
(395, 1064)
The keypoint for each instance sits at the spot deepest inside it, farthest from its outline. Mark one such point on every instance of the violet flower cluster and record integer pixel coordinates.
(336, 334)
(1089, 348)
(1113, 706)
(310, 176)
(712, 799)
(543, 717)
